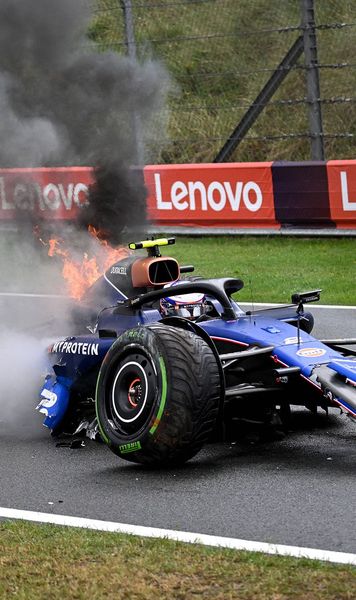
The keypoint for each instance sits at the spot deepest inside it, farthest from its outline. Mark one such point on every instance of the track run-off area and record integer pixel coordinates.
(290, 497)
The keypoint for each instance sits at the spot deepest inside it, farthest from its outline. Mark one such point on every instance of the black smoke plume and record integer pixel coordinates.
(64, 103)
(109, 204)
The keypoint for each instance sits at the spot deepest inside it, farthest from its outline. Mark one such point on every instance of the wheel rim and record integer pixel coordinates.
(131, 400)
(129, 392)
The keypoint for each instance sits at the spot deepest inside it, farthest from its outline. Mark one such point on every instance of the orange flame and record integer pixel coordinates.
(80, 273)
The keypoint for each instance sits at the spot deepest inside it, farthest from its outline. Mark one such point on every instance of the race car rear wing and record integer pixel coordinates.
(305, 297)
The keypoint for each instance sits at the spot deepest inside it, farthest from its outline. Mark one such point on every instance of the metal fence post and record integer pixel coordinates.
(261, 101)
(312, 76)
(132, 53)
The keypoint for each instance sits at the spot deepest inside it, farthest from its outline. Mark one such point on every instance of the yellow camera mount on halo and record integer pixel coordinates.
(152, 246)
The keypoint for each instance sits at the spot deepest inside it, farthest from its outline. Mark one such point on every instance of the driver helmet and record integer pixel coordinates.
(190, 306)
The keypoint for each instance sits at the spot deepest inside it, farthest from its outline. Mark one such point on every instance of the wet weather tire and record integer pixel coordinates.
(157, 395)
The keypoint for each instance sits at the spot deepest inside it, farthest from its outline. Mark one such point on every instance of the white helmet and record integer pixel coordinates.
(190, 306)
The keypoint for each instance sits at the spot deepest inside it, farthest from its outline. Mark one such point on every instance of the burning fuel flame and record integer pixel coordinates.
(80, 272)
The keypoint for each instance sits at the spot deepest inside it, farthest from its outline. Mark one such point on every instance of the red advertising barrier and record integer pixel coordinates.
(342, 192)
(48, 193)
(233, 195)
(224, 195)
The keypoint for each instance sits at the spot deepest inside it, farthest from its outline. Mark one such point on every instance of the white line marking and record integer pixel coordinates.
(25, 295)
(344, 558)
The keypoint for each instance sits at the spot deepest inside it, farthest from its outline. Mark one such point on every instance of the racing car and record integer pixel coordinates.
(164, 362)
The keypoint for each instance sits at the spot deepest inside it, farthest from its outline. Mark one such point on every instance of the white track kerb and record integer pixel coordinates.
(344, 558)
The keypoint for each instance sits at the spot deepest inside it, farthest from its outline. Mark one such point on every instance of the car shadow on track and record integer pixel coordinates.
(315, 443)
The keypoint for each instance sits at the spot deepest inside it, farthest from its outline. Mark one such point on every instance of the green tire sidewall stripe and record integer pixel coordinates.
(163, 396)
(160, 408)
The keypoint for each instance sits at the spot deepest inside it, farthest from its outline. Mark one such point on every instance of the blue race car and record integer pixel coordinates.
(167, 363)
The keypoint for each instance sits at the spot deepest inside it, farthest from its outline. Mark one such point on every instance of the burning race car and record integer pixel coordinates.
(168, 364)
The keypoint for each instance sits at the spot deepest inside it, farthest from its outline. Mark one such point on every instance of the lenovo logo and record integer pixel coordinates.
(346, 203)
(216, 196)
(32, 195)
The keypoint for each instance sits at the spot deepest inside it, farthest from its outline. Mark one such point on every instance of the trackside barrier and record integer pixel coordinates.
(246, 196)
(47, 193)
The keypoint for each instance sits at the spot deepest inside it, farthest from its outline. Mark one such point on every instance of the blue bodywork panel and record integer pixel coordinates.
(262, 331)
(345, 367)
(54, 400)
(75, 356)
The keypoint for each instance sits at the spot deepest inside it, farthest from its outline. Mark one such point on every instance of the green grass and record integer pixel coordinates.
(217, 71)
(43, 561)
(274, 267)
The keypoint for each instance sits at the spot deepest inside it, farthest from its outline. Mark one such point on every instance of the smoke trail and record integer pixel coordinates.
(63, 103)
(21, 365)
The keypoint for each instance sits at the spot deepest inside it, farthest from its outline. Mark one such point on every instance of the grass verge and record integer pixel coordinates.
(46, 561)
(271, 267)
(274, 267)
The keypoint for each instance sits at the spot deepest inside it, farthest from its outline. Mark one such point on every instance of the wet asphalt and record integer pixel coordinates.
(299, 491)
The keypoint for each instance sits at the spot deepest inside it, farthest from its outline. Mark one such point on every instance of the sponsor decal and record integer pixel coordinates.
(131, 447)
(240, 192)
(271, 329)
(311, 352)
(48, 398)
(195, 195)
(347, 204)
(342, 192)
(53, 196)
(292, 340)
(84, 348)
(52, 193)
(118, 271)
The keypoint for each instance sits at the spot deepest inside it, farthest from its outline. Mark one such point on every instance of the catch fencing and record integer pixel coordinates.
(274, 79)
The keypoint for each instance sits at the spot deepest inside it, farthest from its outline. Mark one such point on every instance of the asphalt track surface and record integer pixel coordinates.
(300, 491)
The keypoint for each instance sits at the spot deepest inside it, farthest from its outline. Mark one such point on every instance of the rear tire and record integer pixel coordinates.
(157, 395)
